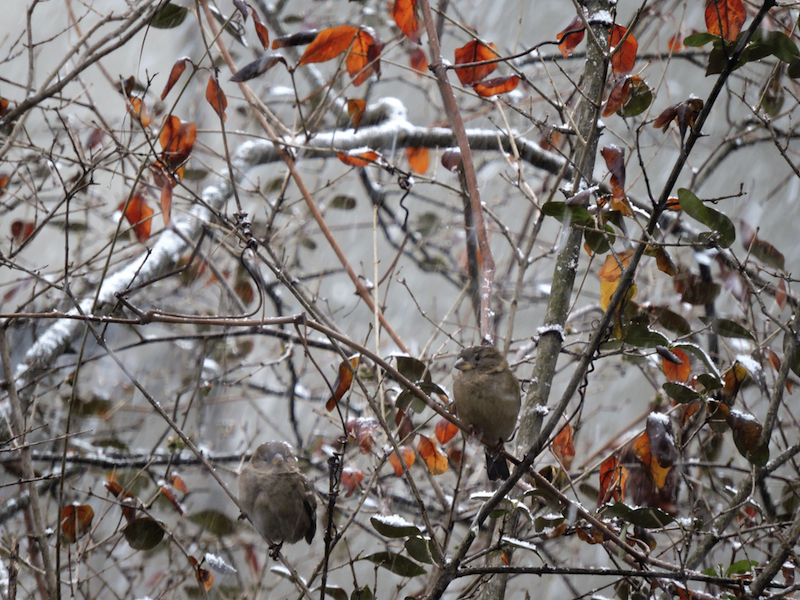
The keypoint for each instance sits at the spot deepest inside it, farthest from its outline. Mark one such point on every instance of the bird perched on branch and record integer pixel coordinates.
(487, 397)
(277, 497)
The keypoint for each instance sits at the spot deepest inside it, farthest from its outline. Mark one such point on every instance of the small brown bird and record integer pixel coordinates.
(276, 496)
(487, 397)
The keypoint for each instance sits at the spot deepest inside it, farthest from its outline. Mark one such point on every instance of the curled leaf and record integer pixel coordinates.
(177, 70)
(344, 379)
(216, 97)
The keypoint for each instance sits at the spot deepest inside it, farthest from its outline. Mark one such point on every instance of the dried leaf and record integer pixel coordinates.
(498, 85)
(178, 483)
(351, 479)
(22, 230)
(612, 480)
(419, 159)
(563, 447)
(408, 457)
(205, 578)
(618, 96)
(138, 214)
(216, 97)
(76, 521)
(677, 372)
(344, 379)
(138, 110)
(724, 18)
(418, 60)
(451, 159)
(359, 158)
(404, 13)
(732, 380)
(445, 431)
(177, 70)
(361, 430)
(328, 44)
(434, 460)
(356, 108)
(475, 51)
(166, 203)
(261, 29)
(177, 140)
(300, 38)
(569, 41)
(257, 67)
(624, 58)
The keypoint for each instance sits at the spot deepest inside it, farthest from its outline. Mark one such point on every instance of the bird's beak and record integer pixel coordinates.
(462, 365)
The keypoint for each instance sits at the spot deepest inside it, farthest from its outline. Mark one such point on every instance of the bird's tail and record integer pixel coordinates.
(496, 466)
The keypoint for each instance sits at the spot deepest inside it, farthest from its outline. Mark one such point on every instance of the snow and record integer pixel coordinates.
(554, 327)
(218, 565)
(393, 521)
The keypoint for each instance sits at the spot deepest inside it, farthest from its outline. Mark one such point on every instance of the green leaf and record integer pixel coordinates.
(406, 398)
(694, 207)
(742, 566)
(639, 100)
(214, 522)
(795, 358)
(362, 593)
(418, 549)
(336, 593)
(598, 241)
(343, 202)
(169, 17)
(781, 46)
(428, 223)
(144, 533)
(642, 336)
(393, 526)
(565, 213)
(730, 329)
(397, 564)
(679, 392)
(709, 382)
(794, 69)
(412, 368)
(648, 518)
(697, 40)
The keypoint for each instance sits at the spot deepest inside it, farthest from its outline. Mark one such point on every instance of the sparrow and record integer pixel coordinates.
(487, 397)
(277, 497)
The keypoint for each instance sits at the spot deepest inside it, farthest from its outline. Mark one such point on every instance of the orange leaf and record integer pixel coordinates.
(76, 520)
(725, 18)
(261, 30)
(3, 106)
(167, 493)
(358, 158)
(498, 85)
(166, 203)
(780, 294)
(404, 13)
(419, 159)
(179, 483)
(204, 577)
(675, 372)
(138, 110)
(732, 380)
(361, 431)
(418, 60)
(615, 161)
(177, 140)
(563, 448)
(351, 478)
(139, 215)
(216, 97)
(568, 41)
(434, 460)
(177, 69)
(364, 57)
(612, 480)
(356, 108)
(328, 44)
(641, 447)
(344, 379)
(408, 457)
(610, 270)
(445, 431)
(471, 52)
(624, 58)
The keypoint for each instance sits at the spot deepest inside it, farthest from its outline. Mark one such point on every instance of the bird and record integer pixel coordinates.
(276, 496)
(486, 395)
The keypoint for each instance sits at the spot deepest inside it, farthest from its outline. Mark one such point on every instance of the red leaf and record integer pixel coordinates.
(419, 159)
(3, 106)
(498, 85)
(725, 18)
(22, 230)
(177, 70)
(418, 60)
(568, 41)
(261, 30)
(216, 97)
(139, 215)
(618, 96)
(76, 520)
(95, 138)
(471, 52)
(612, 480)
(624, 58)
(351, 478)
(404, 13)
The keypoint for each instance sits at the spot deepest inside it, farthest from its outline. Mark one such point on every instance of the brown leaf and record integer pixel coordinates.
(615, 161)
(177, 70)
(177, 140)
(216, 97)
(404, 13)
(138, 110)
(167, 493)
(732, 380)
(351, 479)
(563, 447)
(568, 41)
(434, 460)
(356, 108)
(205, 578)
(76, 521)
(328, 44)
(261, 29)
(618, 96)
(612, 480)
(95, 138)
(475, 51)
(344, 379)
(361, 431)
(257, 67)
(138, 214)
(22, 230)
(178, 483)
(725, 18)
(359, 158)
(300, 38)
(445, 431)
(498, 85)
(451, 159)
(419, 159)
(166, 203)
(624, 58)
(610, 271)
